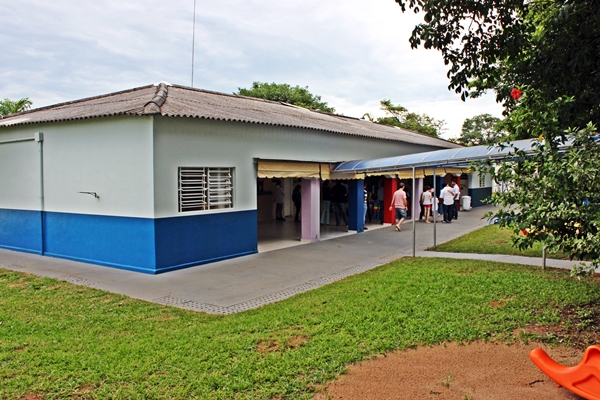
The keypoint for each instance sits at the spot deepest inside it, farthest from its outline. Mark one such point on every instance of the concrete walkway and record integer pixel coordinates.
(248, 282)
(535, 261)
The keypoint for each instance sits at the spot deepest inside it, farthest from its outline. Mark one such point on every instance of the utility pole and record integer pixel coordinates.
(193, 42)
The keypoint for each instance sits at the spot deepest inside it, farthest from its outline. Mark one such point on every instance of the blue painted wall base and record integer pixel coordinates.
(21, 230)
(478, 195)
(143, 245)
(200, 239)
(121, 242)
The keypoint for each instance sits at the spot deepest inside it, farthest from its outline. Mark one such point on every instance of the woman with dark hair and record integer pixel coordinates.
(427, 200)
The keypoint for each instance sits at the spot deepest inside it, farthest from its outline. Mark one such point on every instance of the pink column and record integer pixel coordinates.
(311, 199)
(418, 190)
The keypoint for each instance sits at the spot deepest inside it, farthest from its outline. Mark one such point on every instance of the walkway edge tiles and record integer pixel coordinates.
(275, 296)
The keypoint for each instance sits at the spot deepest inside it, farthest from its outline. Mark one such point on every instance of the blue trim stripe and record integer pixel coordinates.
(121, 242)
(136, 244)
(200, 239)
(21, 230)
(478, 195)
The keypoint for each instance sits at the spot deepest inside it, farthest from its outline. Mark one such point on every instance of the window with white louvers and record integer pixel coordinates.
(205, 188)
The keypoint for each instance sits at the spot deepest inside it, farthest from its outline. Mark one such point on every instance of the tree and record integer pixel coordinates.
(299, 96)
(483, 129)
(557, 191)
(541, 58)
(549, 49)
(397, 115)
(12, 107)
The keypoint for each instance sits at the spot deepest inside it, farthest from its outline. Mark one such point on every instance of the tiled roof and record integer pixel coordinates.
(179, 101)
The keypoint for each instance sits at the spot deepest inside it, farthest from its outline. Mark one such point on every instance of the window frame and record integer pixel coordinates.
(205, 188)
(482, 180)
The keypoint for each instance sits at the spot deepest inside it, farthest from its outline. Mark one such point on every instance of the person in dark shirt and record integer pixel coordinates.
(325, 214)
(338, 198)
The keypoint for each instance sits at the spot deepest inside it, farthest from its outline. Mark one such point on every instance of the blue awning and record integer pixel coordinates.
(452, 158)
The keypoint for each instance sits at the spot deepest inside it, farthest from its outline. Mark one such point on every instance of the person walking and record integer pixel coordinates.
(326, 213)
(421, 207)
(366, 206)
(401, 205)
(447, 196)
(338, 198)
(427, 201)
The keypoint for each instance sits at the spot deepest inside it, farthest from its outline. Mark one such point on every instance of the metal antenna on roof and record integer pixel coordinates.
(193, 42)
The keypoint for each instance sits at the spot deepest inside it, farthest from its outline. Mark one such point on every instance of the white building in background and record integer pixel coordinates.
(164, 177)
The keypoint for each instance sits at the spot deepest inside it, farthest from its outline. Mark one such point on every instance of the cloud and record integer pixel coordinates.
(352, 53)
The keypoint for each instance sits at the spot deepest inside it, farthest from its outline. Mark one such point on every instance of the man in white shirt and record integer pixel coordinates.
(447, 196)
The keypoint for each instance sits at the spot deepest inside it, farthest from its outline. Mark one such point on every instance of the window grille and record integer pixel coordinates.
(481, 180)
(205, 188)
(219, 188)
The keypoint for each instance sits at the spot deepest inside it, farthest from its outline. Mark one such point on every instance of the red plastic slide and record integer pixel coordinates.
(582, 379)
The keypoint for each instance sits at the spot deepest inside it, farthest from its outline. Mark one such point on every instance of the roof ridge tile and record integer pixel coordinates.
(154, 105)
(172, 100)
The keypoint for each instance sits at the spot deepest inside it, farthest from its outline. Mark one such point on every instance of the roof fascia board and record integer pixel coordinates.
(434, 164)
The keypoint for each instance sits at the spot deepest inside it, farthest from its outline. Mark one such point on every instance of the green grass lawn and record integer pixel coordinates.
(58, 340)
(491, 240)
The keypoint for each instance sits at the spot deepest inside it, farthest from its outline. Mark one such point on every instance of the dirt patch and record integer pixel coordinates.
(579, 327)
(19, 285)
(83, 392)
(31, 396)
(472, 371)
(271, 345)
(267, 346)
(501, 303)
(297, 341)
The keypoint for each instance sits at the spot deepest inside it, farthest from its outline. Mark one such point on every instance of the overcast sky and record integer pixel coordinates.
(352, 53)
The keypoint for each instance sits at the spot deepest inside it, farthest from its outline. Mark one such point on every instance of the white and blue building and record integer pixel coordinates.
(164, 177)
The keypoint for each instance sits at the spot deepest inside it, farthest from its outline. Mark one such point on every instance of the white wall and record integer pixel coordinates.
(192, 142)
(19, 171)
(110, 156)
(474, 182)
(113, 157)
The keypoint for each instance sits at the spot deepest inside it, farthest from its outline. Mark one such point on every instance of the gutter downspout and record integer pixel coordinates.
(39, 137)
(436, 209)
(414, 215)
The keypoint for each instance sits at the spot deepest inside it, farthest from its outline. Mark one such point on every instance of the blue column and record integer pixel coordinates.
(440, 184)
(356, 208)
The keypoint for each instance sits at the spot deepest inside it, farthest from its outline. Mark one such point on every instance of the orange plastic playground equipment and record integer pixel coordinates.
(582, 379)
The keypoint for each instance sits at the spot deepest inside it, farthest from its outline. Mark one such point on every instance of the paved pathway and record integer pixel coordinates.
(536, 261)
(248, 282)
